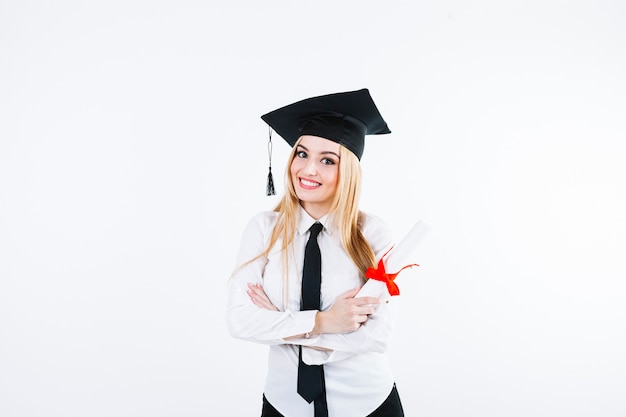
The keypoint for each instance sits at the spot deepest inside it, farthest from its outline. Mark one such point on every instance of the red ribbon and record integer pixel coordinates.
(379, 274)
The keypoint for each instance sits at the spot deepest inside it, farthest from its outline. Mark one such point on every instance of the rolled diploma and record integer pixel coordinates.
(398, 257)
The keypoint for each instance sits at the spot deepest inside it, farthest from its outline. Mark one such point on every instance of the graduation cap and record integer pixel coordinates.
(345, 118)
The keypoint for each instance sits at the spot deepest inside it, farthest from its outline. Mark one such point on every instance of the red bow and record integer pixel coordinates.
(379, 274)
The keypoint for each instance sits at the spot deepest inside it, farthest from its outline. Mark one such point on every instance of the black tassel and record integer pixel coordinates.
(269, 190)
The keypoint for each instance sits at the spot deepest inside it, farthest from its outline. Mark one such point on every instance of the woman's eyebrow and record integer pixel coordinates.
(323, 152)
(331, 153)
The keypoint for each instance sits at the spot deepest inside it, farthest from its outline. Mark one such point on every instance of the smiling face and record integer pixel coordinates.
(314, 172)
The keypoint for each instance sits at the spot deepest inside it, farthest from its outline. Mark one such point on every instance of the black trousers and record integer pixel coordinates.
(391, 407)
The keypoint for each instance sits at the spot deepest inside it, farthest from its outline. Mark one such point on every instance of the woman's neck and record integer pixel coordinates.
(314, 210)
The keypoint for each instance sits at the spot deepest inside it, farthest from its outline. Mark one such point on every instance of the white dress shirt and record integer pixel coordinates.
(357, 373)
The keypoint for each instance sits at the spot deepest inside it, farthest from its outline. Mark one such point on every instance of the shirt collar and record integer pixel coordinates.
(305, 221)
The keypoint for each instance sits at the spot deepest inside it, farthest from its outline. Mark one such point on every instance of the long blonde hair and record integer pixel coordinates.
(344, 213)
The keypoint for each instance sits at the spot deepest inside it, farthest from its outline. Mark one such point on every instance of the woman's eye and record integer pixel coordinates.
(301, 154)
(327, 161)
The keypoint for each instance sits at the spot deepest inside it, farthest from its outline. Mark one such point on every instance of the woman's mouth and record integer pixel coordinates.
(309, 184)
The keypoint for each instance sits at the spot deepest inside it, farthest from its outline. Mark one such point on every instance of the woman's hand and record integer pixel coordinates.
(346, 315)
(259, 298)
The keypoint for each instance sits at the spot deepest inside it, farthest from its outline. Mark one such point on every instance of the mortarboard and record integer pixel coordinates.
(345, 118)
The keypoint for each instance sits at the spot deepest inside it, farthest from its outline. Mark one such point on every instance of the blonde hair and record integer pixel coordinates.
(344, 213)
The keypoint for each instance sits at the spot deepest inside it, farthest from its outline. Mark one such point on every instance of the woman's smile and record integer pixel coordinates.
(308, 184)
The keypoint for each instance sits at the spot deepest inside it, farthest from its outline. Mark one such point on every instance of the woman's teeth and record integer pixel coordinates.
(309, 183)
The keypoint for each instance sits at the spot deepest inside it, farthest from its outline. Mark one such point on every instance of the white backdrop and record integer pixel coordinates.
(132, 154)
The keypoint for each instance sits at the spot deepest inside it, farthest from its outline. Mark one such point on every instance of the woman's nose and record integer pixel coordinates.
(311, 168)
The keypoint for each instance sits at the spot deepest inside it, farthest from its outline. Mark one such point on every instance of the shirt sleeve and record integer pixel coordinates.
(244, 319)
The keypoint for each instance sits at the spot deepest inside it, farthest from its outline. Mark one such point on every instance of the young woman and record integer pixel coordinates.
(326, 356)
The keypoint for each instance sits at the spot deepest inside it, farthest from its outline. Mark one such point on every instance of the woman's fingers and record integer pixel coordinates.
(361, 301)
(347, 313)
(259, 298)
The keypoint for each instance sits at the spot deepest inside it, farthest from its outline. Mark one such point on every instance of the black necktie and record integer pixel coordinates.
(311, 377)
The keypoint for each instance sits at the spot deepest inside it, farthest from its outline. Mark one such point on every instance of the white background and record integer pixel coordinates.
(132, 154)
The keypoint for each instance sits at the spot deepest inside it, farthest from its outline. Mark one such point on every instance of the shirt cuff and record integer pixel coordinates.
(304, 322)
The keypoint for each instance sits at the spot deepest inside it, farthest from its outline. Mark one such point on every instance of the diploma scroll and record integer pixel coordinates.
(397, 259)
